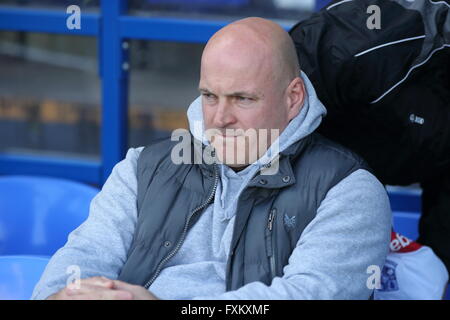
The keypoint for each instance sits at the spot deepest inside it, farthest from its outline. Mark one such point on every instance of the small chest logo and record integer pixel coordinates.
(289, 222)
(416, 119)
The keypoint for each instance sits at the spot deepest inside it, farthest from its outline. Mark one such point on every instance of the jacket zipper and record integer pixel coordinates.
(270, 246)
(186, 226)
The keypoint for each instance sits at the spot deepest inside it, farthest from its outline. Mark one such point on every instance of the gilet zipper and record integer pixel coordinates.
(186, 227)
(269, 244)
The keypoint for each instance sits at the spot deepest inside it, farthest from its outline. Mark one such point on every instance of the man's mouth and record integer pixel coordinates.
(228, 135)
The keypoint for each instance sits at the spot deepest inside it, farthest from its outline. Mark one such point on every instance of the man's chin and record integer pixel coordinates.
(230, 161)
(234, 158)
(237, 167)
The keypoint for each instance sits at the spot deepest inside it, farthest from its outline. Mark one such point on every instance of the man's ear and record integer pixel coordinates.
(295, 97)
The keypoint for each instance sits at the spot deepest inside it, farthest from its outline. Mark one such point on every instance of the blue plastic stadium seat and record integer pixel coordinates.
(405, 199)
(38, 213)
(407, 223)
(406, 208)
(19, 275)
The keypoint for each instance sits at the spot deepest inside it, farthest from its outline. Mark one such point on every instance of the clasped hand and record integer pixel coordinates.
(101, 288)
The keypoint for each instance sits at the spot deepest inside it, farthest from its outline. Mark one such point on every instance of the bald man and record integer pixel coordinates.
(250, 203)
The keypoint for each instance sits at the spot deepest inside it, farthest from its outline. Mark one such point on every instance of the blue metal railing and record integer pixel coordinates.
(49, 21)
(112, 27)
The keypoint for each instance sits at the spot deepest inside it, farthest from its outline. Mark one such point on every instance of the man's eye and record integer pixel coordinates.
(209, 96)
(244, 99)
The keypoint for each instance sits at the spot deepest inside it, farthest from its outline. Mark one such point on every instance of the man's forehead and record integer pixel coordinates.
(235, 66)
(237, 53)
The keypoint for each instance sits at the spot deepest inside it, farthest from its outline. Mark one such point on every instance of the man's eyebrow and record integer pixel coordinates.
(233, 94)
(204, 90)
(243, 93)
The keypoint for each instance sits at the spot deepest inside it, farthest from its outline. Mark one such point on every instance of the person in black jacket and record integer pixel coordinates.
(382, 69)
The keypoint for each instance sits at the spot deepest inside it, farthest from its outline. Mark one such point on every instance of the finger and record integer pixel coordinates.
(98, 281)
(84, 288)
(139, 292)
(121, 285)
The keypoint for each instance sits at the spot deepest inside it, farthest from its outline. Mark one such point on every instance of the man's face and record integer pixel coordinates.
(240, 97)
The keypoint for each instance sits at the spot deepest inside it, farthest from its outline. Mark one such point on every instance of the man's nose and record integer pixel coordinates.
(223, 115)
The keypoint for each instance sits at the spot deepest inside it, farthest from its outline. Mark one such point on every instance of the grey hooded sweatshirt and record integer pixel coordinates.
(324, 265)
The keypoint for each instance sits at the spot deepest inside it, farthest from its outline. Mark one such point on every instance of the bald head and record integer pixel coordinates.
(258, 42)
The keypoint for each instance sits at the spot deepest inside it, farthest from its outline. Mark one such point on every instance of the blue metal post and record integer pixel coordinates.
(114, 74)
